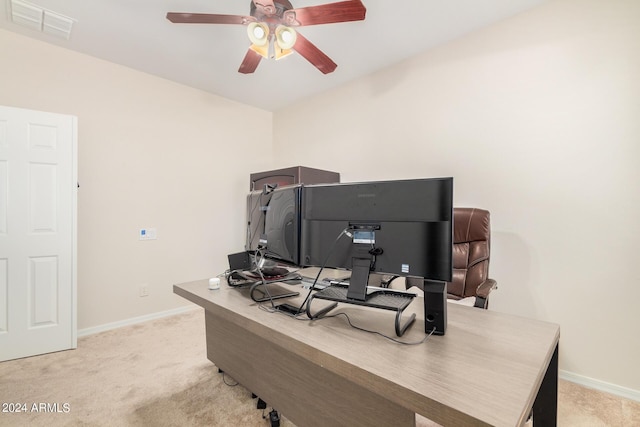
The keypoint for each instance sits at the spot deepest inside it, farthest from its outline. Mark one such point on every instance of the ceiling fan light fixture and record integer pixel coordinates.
(258, 33)
(261, 50)
(281, 53)
(285, 37)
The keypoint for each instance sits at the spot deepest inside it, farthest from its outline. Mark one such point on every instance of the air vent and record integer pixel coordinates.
(26, 14)
(57, 25)
(40, 19)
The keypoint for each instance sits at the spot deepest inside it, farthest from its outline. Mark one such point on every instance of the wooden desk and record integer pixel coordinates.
(489, 369)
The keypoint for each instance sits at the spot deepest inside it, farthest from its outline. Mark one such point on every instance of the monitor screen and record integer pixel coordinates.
(273, 223)
(257, 203)
(402, 227)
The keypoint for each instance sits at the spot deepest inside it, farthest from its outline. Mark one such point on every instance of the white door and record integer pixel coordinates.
(38, 200)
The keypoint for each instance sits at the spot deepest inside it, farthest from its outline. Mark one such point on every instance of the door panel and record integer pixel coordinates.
(4, 183)
(38, 199)
(4, 299)
(42, 198)
(43, 292)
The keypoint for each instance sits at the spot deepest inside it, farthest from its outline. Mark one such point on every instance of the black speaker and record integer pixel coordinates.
(435, 307)
(239, 261)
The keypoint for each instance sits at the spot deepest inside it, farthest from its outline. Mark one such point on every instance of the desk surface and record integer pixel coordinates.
(487, 369)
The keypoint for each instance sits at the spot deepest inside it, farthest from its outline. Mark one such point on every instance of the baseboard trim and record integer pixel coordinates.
(617, 390)
(135, 320)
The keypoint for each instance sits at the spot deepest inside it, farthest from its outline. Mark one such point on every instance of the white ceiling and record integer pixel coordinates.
(135, 33)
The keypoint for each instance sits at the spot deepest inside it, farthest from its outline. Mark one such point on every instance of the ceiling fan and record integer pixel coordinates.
(271, 28)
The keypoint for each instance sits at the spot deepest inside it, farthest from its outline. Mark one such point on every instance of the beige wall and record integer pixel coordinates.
(151, 153)
(538, 120)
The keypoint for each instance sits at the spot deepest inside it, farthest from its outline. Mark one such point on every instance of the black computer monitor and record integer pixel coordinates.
(402, 227)
(273, 223)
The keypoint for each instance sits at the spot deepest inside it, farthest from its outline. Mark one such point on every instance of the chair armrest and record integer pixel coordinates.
(485, 288)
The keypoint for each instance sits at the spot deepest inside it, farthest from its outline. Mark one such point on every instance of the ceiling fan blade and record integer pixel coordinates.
(344, 11)
(208, 18)
(250, 62)
(314, 55)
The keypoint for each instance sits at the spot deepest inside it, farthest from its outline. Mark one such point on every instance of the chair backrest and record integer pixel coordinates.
(471, 250)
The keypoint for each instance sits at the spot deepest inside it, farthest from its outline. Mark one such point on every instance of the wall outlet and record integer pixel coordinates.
(143, 291)
(147, 234)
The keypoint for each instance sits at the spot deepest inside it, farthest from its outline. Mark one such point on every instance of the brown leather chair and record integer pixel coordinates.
(471, 253)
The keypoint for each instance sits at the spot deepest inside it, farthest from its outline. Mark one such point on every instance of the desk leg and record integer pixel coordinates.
(545, 407)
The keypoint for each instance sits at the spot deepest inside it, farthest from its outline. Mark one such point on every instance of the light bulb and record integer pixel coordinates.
(258, 32)
(285, 36)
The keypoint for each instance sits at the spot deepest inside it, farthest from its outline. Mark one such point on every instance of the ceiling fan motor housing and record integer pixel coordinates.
(268, 11)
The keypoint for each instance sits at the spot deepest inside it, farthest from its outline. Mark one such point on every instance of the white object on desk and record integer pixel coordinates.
(214, 283)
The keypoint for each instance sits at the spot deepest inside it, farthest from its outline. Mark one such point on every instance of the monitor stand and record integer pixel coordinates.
(386, 299)
(359, 278)
(357, 292)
